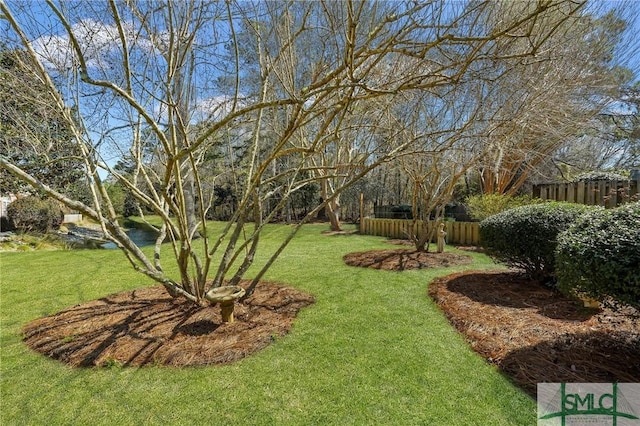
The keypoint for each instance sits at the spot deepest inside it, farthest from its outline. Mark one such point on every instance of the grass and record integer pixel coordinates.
(374, 349)
(26, 242)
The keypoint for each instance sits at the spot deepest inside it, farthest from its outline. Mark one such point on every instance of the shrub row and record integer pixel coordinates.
(580, 249)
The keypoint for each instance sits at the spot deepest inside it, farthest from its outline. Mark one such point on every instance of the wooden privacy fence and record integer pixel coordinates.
(602, 193)
(457, 232)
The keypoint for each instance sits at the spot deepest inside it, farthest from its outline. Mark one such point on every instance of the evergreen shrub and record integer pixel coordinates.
(525, 237)
(599, 256)
(33, 214)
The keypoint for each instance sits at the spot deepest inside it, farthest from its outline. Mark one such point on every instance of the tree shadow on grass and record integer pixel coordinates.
(147, 326)
(598, 357)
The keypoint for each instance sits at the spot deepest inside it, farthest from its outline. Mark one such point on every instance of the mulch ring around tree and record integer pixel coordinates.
(535, 335)
(404, 259)
(147, 326)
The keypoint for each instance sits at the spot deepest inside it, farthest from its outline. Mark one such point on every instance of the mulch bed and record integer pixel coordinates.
(147, 326)
(535, 335)
(404, 259)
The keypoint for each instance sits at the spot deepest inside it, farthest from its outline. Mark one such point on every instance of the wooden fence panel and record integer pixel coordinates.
(462, 232)
(580, 199)
(571, 193)
(562, 193)
(613, 196)
(457, 232)
(590, 193)
(601, 193)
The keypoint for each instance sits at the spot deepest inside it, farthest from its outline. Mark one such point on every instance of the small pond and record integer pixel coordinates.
(141, 237)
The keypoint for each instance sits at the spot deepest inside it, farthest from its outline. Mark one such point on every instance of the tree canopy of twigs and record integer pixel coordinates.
(271, 97)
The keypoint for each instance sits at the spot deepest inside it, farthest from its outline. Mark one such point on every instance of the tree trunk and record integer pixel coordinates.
(332, 208)
(190, 206)
(333, 213)
(287, 209)
(421, 235)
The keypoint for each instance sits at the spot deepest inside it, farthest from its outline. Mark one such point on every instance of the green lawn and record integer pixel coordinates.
(374, 349)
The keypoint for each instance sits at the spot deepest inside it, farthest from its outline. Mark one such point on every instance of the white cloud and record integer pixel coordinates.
(212, 108)
(97, 41)
(54, 51)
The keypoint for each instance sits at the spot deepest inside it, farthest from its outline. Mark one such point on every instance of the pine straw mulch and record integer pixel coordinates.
(147, 326)
(535, 335)
(404, 259)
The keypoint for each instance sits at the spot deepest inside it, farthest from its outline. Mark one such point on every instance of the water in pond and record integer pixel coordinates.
(139, 236)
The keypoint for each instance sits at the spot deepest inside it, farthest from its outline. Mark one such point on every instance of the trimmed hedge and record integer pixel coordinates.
(33, 214)
(525, 237)
(599, 256)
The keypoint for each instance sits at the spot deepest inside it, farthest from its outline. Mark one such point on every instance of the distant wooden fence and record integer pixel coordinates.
(457, 232)
(602, 193)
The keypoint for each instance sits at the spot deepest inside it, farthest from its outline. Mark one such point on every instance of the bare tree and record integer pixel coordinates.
(549, 99)
(610, 142)
(168, 86)
(447, 134)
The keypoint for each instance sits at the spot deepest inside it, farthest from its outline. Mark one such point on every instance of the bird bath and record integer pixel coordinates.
(226, 296)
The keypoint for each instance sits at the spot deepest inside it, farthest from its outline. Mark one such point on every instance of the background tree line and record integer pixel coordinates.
(259, 111)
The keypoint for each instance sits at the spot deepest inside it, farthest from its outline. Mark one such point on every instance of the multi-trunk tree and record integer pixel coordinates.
(549, 100)
(264, 97)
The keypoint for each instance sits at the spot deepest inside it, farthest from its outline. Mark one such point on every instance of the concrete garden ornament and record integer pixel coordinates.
(226, 296)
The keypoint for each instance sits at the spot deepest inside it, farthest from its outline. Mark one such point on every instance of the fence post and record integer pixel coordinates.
(361, 213)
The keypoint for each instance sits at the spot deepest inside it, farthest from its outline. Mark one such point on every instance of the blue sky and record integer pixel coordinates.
(629, 49)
